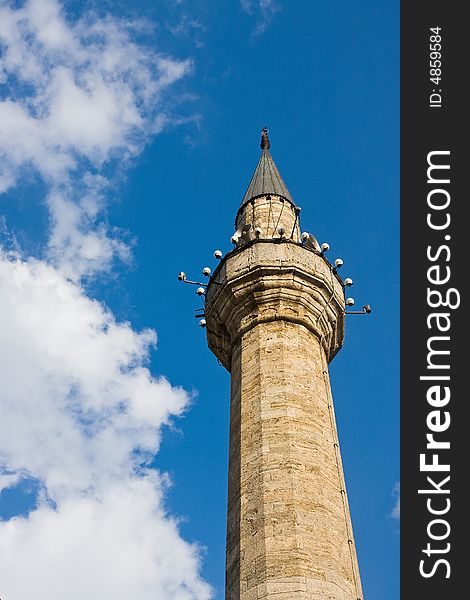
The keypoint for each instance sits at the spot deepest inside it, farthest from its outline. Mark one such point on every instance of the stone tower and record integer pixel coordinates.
(275, 319)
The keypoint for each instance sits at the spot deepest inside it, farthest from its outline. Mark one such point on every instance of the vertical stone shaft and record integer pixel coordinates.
(289, 530)
(275, 319)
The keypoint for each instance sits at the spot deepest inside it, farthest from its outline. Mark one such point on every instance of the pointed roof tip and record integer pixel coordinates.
(265, 143)
(266, 179)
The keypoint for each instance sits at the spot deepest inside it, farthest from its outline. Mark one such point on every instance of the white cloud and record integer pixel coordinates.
(78, 95)
(121, 546)
(8, 480)
(80, 412)
(75, 378)
(82, 415)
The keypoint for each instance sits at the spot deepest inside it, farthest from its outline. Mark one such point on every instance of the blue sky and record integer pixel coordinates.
(162, 174)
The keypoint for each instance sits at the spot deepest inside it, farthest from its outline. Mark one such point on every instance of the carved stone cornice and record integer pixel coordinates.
(268, 281)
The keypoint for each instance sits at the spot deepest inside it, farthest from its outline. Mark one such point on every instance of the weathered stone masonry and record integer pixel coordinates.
(275, 318)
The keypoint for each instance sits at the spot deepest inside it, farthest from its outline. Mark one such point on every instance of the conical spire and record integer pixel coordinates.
(266, 178)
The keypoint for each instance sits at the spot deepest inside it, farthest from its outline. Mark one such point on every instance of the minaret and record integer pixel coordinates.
(275, 319)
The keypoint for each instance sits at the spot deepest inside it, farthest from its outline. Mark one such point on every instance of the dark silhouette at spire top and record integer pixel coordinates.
(265, 143)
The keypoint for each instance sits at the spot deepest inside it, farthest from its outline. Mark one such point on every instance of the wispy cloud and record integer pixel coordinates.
(82, 414)
(263, 11)
(396, 509)
(187, 27)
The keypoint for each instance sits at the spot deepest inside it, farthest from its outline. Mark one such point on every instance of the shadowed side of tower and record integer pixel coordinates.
(275, 318)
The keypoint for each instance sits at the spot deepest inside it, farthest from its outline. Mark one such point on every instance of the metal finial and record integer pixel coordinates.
(265, 143)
